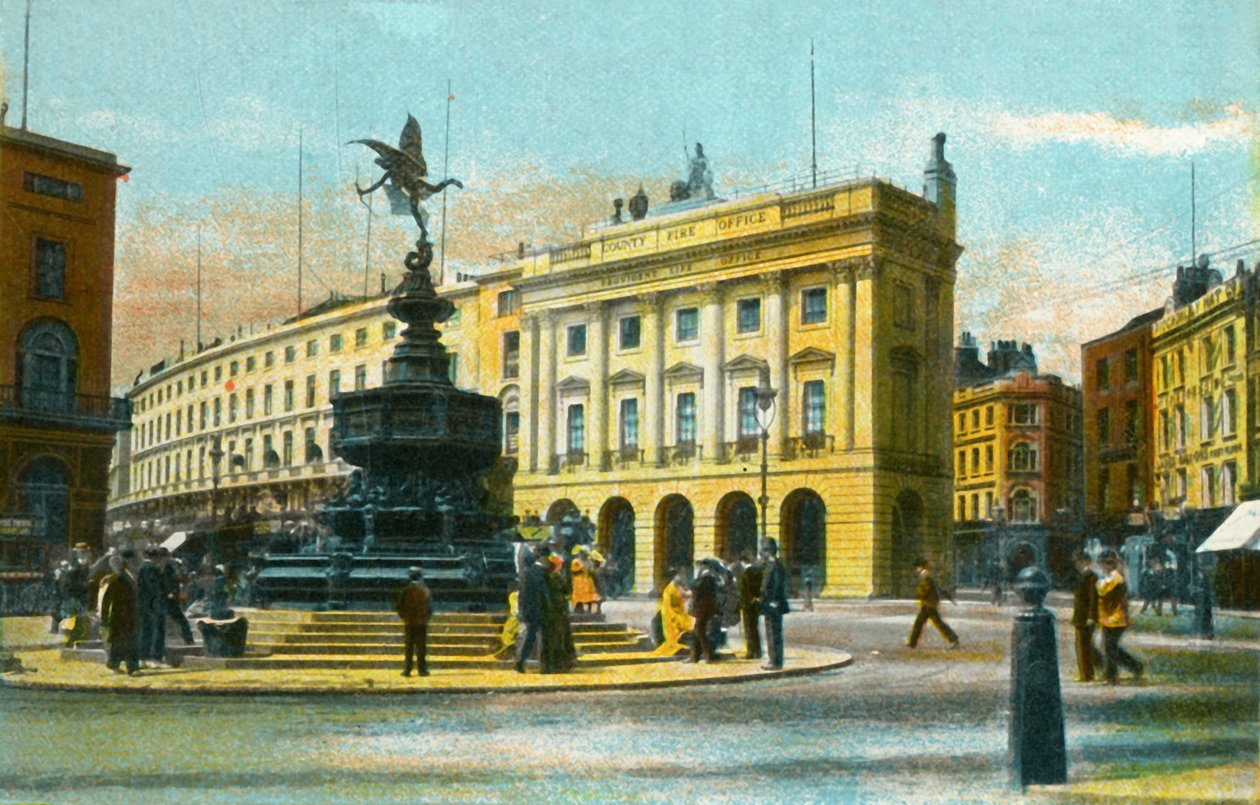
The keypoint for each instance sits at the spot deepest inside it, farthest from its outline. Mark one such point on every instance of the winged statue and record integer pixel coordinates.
(405, 171)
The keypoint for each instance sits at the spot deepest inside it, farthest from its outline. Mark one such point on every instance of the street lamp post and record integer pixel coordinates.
(216, 459)
(765, 417)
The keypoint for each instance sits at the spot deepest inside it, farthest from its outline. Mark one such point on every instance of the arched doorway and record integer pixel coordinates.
(803, 538)
(907, 540)
(616, 542)
(557, 511)
(675, 536)
(736, 525)
(44, 491)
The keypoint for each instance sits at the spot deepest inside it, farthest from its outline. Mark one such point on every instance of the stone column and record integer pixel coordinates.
(546, 402)
(597, 442)
(527, 437)
(652, 422)
(777, 328)
(711, 342)
(844, 372)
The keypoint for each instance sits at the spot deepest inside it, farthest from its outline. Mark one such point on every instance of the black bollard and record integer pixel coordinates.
(1037, 749)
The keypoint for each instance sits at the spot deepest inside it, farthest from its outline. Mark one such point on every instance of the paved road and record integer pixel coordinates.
(928, 725)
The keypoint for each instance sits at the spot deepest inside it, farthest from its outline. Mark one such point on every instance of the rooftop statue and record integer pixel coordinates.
(699, 176)
(405, 170)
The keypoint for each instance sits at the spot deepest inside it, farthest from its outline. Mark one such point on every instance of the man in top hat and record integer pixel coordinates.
(414, 605)
(774, 602)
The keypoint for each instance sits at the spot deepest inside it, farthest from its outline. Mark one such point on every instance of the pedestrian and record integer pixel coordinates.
(512, 624)
(585, 597)
(414, 605)
(1203, 604)
(1085, 619)
(171, 588)
(675, 620)
(558, 651)
(1113, 617)
(1152, 579)
(120, 613)
(749, 584)
(929, 598)
(774, 603)
(532, 606)
(704, 608)
(151, 591)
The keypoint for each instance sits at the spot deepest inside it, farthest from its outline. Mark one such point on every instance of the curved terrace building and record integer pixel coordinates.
(628, 366)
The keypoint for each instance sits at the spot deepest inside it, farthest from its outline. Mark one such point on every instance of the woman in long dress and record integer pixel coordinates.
(675, 622)
(585, 597)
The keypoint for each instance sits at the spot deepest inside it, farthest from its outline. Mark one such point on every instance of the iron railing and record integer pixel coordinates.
(64, 409)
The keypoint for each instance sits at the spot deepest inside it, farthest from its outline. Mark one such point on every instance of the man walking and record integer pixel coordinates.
(749, 584)
(120, 613)
(1113, 617)
(414, 606)
(774, 603)
(1085, 618)
(533, 604)
(929, 607)
(151, 590)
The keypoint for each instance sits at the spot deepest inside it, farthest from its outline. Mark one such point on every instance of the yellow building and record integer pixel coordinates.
(627, 366)
(1204, 456)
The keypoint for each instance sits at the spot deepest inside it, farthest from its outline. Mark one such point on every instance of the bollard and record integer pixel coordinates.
(1037, 750)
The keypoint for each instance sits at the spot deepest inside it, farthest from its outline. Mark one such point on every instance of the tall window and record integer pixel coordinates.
(1104, 426)
(50, 269)
(1229, 471)
(685, 418)
(312, 449)
(1179, 417)
(1023, 507)
(509, 302)
(290, 354)
(335, 342)
(360, 374)
(1229, 410)
(1231, 344)
(577, 340)
(49, 366)
(577, 429)
(360, 337)
(266, 403)
(218, 411)
(312, 348)
(388, 330)
(813, 305)
(310, 391)
(1131, 365)
(1102, 373)
(512, 353)
(334, 383)
(988, 458)
(1023, 458)
(205, 414)
(511, 432)
(748, 315)
(232, 411)
(815, 408)
(1132, 421)
(287, 456)
(288, 395)
(269, 360)
(687, 324)
(629, 327)
(1207, 418)
(629, 424)
(748, 428)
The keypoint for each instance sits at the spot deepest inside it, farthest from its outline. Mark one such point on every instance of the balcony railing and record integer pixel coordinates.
(743, 447)
(628, 456)
(63, 409)
(685, 453)
(811, 445)
(571, 461)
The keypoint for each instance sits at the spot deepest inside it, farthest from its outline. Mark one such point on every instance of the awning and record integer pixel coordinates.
(175, 540)
(1240, 531)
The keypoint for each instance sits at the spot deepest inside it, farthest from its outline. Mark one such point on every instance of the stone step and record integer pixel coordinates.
(445, 648)
(394, 661)
(376, 629)
(396, 634)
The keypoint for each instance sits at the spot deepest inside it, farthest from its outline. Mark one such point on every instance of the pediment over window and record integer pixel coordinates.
(813, 355)
(626, 378)
(746, 363)
(684, 371)
(573, 384)
(509, 394)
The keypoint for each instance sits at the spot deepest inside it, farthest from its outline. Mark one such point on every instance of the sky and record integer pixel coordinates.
(1071, 126)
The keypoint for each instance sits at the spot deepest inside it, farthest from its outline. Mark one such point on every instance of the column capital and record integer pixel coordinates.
(710, 292)
(545, 318)
(595, 309)
(774, 281)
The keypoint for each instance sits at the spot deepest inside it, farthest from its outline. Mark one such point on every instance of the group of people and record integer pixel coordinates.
(693, 611)
(542, 609)
(1102, 601)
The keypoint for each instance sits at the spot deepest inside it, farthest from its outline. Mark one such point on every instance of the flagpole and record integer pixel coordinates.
(26, 61)
(813, 126)
(446, 162)
(299, 278)
(198, 287)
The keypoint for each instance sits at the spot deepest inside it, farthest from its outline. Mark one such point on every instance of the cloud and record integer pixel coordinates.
(1130, 137)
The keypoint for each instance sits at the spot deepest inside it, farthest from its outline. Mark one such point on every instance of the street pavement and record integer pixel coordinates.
(895, 726)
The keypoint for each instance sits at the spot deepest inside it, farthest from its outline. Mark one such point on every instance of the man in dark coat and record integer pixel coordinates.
(170, 586)
(704, 608)
(532, 604)
(1085, 619)
(414, 605)
(774, 603)
(151, 590)
(749, 583)
(558, 652)
(120, 613)
(929, 607)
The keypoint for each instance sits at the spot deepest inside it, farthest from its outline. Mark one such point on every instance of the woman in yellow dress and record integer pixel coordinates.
(511, 626)
(585, 597)
(675, 622)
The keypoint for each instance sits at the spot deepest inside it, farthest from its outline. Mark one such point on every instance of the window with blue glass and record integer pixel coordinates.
(748, 426)
(577, 429)
(630, 332)
(748, 315)
(577, 340)
(813, 305)
(814, 407)
(629, 423)
(687, 324)
(685, 418)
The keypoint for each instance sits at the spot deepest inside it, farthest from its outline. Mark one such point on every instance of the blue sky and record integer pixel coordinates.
(1071, 127)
